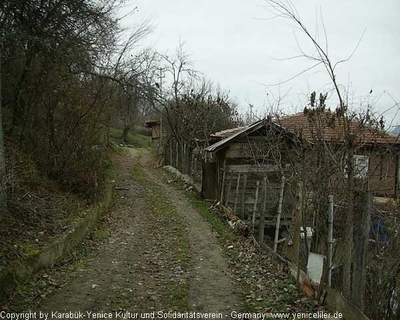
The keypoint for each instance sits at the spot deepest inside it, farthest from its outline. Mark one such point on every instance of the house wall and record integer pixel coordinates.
(382, 174)
(382, 167)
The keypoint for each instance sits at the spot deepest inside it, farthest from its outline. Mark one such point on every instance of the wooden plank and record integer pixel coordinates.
(271, 221)
(192, 167)
(228, 191)
(236, 193)
(170, 153)
(255, 205)
(177, 156)
(272, 197)
(252, 168)
(243, 194)
(262, 215)
(330, 238)
(183, 147)
(195, 168)
(273, 178)
(397, 180)
(254, 148)
(278, 217)
(269, 211)
(297, 223)
(252, 143)
(362, 228)
(223, 182)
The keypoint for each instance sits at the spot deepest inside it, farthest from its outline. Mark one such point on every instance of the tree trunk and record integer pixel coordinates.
(349, 228)
(124, 138)
(360, 247)
(297, 222)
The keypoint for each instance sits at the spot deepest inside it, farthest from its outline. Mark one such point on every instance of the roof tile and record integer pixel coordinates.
(330, 128)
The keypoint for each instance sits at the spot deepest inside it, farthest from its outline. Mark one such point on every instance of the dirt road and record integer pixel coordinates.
(159, 253)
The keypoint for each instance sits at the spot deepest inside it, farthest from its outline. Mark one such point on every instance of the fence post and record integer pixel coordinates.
(243, 195)
(262, 213)
(397, 182)
(192, 165)
(278, 217)
(362, 227)
(330, 238)
(170, 153)
(228, 191)
(183, 158)
(236, 193)
(253, 220)
(223, 183)
(177, 156)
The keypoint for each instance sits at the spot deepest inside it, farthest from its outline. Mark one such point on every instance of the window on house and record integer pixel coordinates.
(360, 166)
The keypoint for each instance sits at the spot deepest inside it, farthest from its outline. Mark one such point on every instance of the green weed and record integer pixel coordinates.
(134, 139)
(100, 234)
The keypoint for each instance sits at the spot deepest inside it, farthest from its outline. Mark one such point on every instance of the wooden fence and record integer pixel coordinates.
(254, 192)
(184, 156)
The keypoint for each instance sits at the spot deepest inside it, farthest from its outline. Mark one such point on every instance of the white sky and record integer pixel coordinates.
(236, 44)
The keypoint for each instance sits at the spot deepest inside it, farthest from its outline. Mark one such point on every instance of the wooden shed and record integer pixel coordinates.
(245, 170)
(155, 126)
(244, 160)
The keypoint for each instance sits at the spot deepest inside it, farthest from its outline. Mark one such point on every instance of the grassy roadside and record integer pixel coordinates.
(29, 295)
(134, 140)
(177, 292)
(266, 286)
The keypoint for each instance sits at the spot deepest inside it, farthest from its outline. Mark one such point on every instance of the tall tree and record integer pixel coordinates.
(286, 10)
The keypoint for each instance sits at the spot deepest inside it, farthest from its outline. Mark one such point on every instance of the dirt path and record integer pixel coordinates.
(160, 253)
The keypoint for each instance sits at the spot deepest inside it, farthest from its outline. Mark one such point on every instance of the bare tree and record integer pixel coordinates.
(286, 10)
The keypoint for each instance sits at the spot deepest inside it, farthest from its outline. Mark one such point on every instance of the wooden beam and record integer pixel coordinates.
(397, 182)
(228, 191)
(223, 182)
(278, 217)
(249, 168)
(362, 228)
(170, 153)
(243, 195)
(330, 239)
(255, 204)
(263, 212)
(236, 193)
(297, 217)
(177, 156)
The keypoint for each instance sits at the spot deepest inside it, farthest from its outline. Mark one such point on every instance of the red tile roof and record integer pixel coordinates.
(330, 128)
